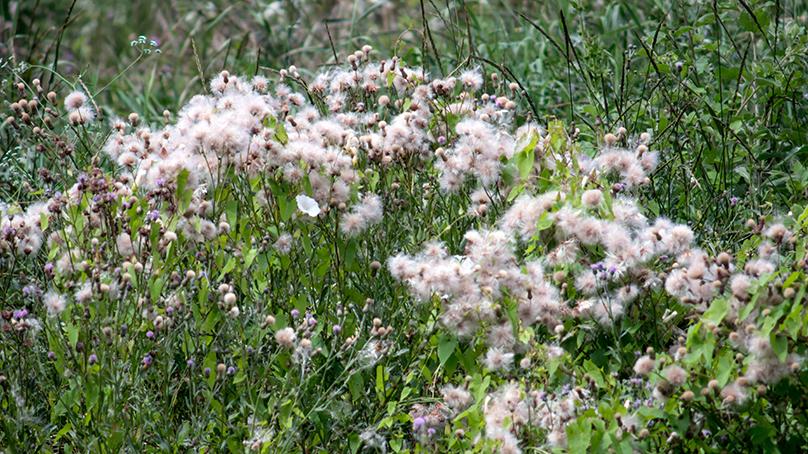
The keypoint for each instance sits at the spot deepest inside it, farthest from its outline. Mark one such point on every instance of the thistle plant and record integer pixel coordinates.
(376, 259)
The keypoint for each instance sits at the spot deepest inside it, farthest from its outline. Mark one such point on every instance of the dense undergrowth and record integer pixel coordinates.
(501, 228)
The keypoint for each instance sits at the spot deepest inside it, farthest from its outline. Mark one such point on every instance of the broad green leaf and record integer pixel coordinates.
(446, 346)
(579, 435)
(718, 309)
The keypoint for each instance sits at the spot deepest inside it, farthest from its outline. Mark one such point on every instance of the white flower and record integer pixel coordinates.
(307, 205)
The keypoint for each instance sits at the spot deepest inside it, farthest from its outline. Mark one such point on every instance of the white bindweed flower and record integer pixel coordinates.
(307, 205)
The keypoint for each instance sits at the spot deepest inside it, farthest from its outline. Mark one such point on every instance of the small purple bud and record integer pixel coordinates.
(169, 310)
(48, 268)
(733, 200)
(336, 329)
(312, 321)
(295, 313)
(92, 359)
(231, 370)
(430, 431)
(190, 363)
(150, 334)
(51, 356)
(147, 360)
(441, 140)
(418, 422)
(206, 372)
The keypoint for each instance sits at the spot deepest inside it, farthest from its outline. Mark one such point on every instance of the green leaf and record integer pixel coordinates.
(780, 346)
(579, 435)
(594, 371)
(724, 366)
(248, 259)
(380, 382)
(184, 193)
(746, 310)
(446, 346)
(545, 222)
(525, 157)
(515, 192)
(64, 430)
(72, 334)
(717, 311)
(228, 267)
(355, 442)
(356, 386)
(280, 133)
(792, 278)
(793, 322)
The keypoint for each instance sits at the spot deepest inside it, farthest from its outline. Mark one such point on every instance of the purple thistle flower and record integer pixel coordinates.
(231, 370)
(92, 359)
(295, 313)
(190, 363)
(20, 313)
(733, 201)
(51, 356)
(418, 423)
(147, 360)
(150, 334)
(336, 329)
(206, 372)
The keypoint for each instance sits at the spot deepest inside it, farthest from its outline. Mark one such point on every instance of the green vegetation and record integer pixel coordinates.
(405, 226)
